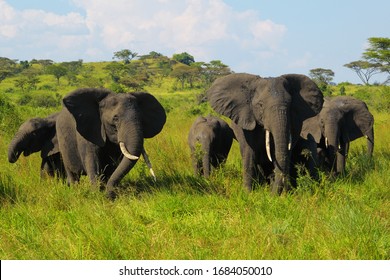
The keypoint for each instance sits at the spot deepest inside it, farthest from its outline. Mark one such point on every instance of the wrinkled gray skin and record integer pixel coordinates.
(92, 124)
(215, 138)
(341, 120)
(38, 135)
(256, 105)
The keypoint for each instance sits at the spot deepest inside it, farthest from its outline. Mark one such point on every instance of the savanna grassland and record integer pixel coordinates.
(182, 216)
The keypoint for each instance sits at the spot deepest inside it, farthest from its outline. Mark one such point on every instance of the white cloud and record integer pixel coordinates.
(204, 28)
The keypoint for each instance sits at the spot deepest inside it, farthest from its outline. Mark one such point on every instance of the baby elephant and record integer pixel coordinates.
(210, 140)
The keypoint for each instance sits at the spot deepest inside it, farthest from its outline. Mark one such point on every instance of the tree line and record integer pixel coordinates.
(375, 60)
(128, 70)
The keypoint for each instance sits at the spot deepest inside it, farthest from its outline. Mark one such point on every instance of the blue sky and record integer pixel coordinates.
(264, 37)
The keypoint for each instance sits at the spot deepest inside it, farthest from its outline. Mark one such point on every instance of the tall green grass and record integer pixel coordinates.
(182, 216)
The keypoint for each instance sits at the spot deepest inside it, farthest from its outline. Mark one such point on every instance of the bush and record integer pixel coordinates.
(45, 100)
(377, 97)
(9, 116)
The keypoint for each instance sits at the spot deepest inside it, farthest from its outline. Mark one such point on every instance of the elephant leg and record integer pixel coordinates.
(46, 170)
(71, 177)
(196, 163)
(341, 155)
(310, 157)
(91, 162)
(256, 168)
(249, 168)
(206, 164)
(313, 161)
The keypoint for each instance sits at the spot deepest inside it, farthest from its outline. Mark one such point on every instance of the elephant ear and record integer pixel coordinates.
(358, 119)
(83, 104)
(152, 113)
(232, 96)
(307, 98)
(311, 126)
(50, 146)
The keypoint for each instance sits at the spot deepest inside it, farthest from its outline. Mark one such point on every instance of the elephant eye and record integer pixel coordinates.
(115, 120)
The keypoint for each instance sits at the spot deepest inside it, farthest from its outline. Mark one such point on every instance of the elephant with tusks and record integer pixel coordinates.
(267, 116)
(101, 133)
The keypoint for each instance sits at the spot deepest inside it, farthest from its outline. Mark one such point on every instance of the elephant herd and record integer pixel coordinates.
(276, 121)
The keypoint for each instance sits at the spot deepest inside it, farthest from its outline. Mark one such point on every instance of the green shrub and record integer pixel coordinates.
(9, 116)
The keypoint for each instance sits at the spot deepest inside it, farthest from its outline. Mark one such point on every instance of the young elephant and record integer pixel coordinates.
(38, 135)
(210, 139)
(341, 120)
(101, 133)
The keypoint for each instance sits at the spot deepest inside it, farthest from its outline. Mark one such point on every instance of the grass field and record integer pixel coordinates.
(186, 217)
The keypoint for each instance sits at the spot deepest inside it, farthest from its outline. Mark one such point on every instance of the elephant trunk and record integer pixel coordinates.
(370, 141)
(131, 139)
(206, 159)
(281, 135)
(16, 147)
(332, 146)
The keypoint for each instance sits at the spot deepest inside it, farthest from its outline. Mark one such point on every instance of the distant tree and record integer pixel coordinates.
(24, 64)
(181, 72)
(379, 53)
(376, 59)
(21, 82)
(7, 68)
(114, 69)
(364, 69)
(27, 80)
(212, 70)
(57, 71)
(151, 55)
(321, 76)
(184, 58)
(43, 62)
(73, 69)
(126, 55)
(32, 79)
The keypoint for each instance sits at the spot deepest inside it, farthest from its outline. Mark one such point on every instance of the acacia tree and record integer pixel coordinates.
(364, 69)
(184, 58)
(126, 55)
(378, 53)
(57, 71)
(321, 75)
(376, 59)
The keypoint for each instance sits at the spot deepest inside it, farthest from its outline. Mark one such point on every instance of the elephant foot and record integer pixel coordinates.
(111, 195)
(276, 189)
(278, 186)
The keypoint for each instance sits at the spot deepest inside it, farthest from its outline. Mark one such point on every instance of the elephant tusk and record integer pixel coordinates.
(289, 142)
(267, 145)
(326, 142)
(148, 163)
(126, 153)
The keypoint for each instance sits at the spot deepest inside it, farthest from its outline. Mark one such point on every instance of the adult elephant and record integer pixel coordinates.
(38, 135)
(267, 115)
(101, 133)
(210, 139)
(341, 120)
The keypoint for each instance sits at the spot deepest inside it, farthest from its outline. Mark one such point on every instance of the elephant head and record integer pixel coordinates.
(341, 120)
(106, 120)
(38, 135)
(215, 138)
(276, 106)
